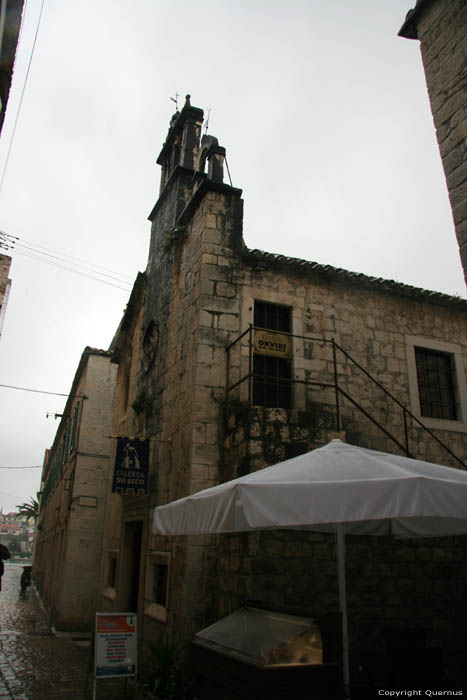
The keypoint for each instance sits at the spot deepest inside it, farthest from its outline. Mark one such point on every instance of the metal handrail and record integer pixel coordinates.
(250, 376)
(406, 411)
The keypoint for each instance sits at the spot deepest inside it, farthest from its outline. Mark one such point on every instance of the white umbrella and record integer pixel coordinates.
(338, 488)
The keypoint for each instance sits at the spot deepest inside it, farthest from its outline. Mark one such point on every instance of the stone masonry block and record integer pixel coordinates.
(208, 375)
(217, 303)
(212, 235)
(219, 273)
(211, 221)
(206, 319)
(229, 322)
(460, 212)
(212, 434)
(223, 289)
(207, 287)
(205, 354)
(458, 176)
(199, 433)
(209, 259)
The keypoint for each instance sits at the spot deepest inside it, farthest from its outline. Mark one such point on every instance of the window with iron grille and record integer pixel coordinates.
(272, 375)
(436, 384)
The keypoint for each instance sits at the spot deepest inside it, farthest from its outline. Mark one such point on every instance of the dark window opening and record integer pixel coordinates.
(272, 375)
(436, 384)
(272, 316)
(112, 576)
(160, 576)
(295, 449)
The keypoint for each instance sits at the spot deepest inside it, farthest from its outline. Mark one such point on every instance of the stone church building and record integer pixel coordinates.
(230, 359)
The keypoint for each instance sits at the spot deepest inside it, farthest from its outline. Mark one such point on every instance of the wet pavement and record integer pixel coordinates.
(35, 663)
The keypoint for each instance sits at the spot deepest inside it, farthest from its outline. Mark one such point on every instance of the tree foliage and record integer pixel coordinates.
(29, 510)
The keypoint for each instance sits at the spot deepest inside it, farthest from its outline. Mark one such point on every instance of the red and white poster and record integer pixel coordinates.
(115, 645)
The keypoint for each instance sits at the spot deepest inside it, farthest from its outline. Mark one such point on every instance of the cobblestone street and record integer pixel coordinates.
(36, 664)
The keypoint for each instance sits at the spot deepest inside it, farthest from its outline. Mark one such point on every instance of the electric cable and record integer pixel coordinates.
(36, 247)
(35, 466)
(76, 272)
(39, 391)
(22, 94)
(83, 268)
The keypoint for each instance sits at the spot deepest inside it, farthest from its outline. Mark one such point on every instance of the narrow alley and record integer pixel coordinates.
(35, 663)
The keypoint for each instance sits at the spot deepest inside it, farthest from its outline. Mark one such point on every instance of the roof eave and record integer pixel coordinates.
(409, 28)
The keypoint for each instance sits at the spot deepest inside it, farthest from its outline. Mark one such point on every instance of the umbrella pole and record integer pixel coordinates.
(343, 607)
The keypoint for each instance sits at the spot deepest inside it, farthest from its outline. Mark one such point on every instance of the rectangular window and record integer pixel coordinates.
(66, 440)
(156, 593)
(436, 384)
(74, 427)
(272, 373)
(160, 576)
(112, 572)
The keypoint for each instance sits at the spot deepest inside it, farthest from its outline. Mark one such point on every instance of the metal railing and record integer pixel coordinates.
(336, 386)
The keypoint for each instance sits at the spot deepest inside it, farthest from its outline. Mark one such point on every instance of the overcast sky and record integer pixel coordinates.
(324, 114)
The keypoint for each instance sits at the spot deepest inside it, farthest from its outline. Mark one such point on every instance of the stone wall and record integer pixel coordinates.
(375, 332)
(5, 262)
(390, 585)
(296, 572)
(441, 27)
(68, 546)
(192, 391)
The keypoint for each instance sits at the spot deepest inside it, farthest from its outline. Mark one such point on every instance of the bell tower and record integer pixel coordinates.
(181, 146)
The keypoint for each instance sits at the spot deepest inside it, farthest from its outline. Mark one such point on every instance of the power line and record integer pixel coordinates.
(39, 391)
(60, 260)
(22, 95)
(75, 272)
(36, 466)
(114, 276)
(36, 247)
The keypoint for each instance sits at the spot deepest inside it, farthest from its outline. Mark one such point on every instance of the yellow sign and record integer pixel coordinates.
(271, 343)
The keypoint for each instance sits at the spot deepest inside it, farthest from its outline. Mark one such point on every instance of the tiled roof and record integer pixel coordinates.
(96, 351)
(337, 274)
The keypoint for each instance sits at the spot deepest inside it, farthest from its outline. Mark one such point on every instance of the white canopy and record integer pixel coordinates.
(337, 488)
(370, 492)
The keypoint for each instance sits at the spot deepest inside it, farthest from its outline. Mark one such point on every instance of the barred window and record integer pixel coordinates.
(272, 375)
(436, 384)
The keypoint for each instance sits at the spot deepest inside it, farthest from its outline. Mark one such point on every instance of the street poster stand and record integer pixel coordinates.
(115, 646)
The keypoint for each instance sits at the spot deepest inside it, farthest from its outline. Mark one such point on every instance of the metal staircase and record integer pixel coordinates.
(333, 371)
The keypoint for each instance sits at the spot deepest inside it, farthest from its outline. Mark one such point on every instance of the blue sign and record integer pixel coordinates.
(131, 467)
